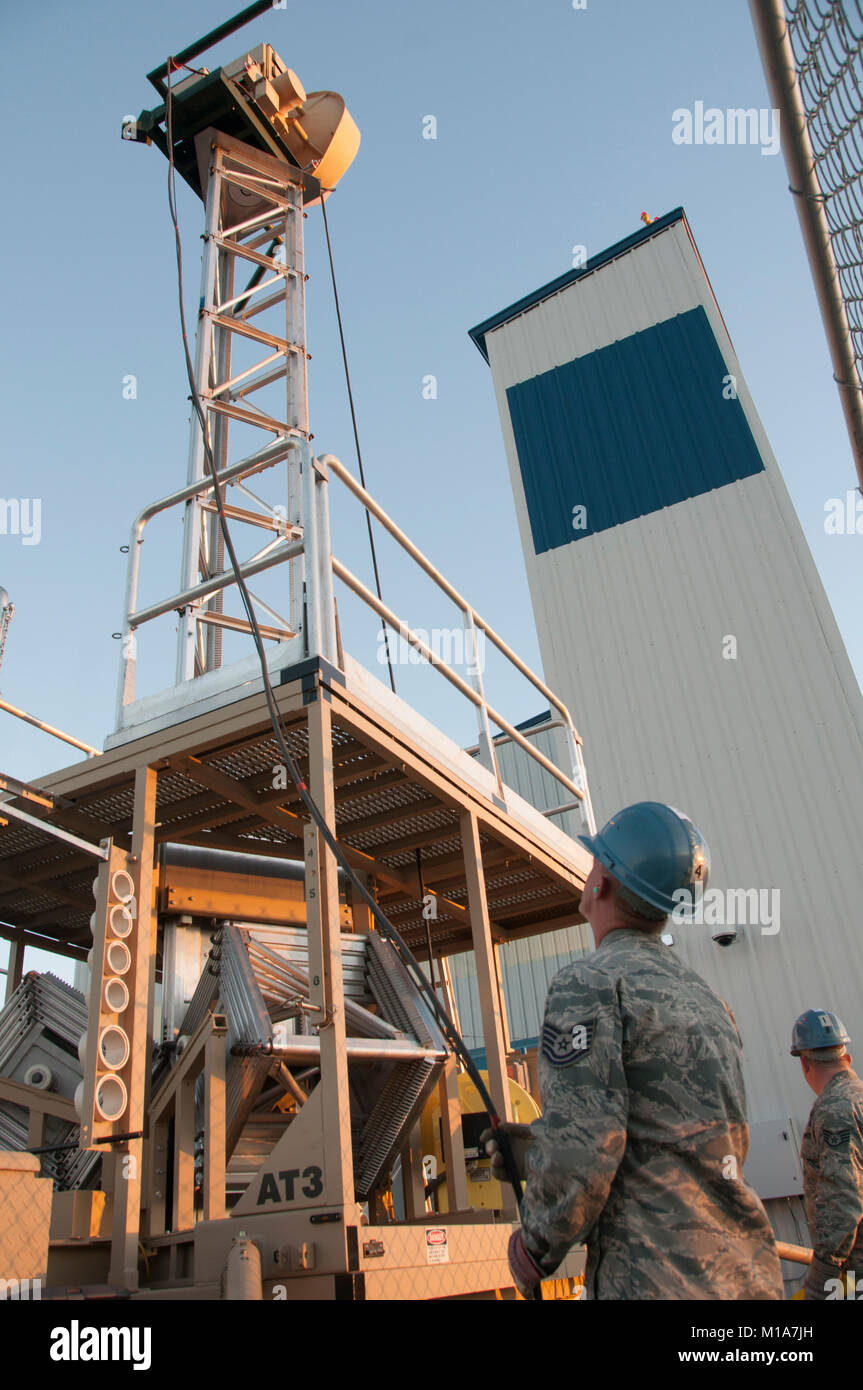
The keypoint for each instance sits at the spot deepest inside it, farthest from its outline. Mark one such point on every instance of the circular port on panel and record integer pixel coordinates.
(113, 1047)
(40, 1077)
(78, 1100)
(115, 995)
(82, 1049)
(122, 886)
(110, 1097)
(120, 920)
(93, 924)
(119, 957)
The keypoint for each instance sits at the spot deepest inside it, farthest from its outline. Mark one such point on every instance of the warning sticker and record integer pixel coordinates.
(437, 1250)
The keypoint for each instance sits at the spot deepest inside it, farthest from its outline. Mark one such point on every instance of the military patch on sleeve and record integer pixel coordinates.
(837, 1138)
(560, 1046)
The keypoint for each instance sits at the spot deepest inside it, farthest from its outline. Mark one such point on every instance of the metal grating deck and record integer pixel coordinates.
(391, 800)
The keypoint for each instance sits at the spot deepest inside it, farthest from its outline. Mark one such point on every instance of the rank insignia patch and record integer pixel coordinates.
(560, 1046)
(836, 1138)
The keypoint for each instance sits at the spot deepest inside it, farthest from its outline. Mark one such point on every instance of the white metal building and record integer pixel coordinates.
(681, 618)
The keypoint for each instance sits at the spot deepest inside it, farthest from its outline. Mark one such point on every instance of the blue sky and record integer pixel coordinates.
(554, 129)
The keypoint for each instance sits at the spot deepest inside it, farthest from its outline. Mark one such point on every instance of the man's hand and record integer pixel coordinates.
(819, 1274)
(520, 1139)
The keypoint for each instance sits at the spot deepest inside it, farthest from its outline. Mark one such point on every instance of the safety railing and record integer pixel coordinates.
(319, 636)
(576, 783)
(285, 545)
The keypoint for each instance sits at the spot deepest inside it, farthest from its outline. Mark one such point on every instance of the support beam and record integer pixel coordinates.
(486, 977)
(453, 1141)
(15, 966)
(413, 1180)
(234, 792)
(44, 943)
(326, 990)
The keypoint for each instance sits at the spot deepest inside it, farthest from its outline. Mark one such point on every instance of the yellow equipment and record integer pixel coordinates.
(484, 1190)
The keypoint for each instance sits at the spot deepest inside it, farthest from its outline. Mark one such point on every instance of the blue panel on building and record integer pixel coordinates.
(624, 431)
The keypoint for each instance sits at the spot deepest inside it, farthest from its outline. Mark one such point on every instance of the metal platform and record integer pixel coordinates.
(399, 785)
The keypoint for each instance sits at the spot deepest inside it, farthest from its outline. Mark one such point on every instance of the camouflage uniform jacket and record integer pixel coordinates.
(640, 1147)
(832, 1158)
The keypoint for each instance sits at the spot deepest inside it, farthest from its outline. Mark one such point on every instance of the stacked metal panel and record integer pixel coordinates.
(39, 1032)
(261, 982)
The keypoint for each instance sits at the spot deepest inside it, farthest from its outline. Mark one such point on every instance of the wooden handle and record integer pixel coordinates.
(798, 1253)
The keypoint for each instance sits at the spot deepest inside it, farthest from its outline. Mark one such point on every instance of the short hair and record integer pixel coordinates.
(824, 1054)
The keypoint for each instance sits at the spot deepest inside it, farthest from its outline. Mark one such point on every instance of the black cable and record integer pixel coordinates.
(446, 1024)
(356, 434)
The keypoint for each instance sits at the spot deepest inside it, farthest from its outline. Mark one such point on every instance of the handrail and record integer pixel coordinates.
(321, 636)
(268, 456)
(535, 729)
(407, 544)
(50, 729)
(402, 628)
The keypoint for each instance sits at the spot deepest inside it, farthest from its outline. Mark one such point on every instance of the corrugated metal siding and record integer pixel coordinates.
(765, 751)
(628, 429)
(527, 969)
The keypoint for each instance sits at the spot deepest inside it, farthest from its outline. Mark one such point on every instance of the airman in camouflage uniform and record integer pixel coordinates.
(643, 1135)
(832, 1158)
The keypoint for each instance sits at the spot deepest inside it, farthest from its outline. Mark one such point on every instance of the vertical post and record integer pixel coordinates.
(187, 637)
(129, 1154)
(297, 374)
(214, 1127)
(15, 967)
(578, 773)
(413, 1181)
(453, 1141)
(211, 535)
(361, 913)
(157, 1178)
(311, 555)
(486, 978)
(326, 990)
(36, 1129)
(325, 561)
(473, 664)
(183, 1211)
(501, 1000)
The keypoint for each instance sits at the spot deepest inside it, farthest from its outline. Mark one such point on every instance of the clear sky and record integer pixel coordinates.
(554, 129)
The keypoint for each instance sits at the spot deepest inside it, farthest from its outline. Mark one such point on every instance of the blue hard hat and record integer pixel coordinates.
(653, 850)
(817, 1028)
